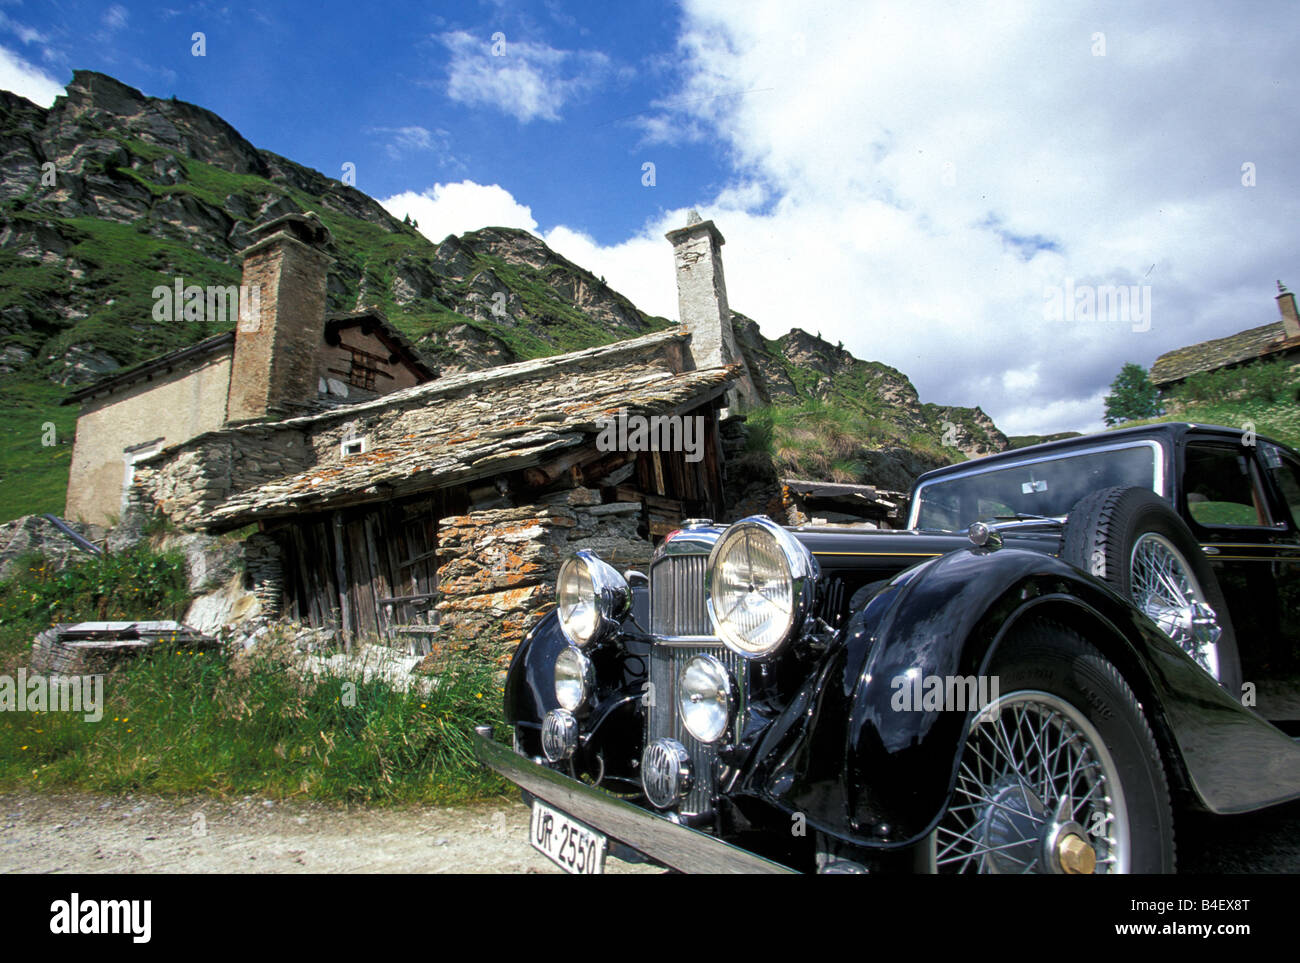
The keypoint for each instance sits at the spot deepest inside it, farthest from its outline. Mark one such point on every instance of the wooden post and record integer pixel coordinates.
(340, 575)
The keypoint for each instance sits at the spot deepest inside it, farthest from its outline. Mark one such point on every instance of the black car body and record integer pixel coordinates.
(1109, 716)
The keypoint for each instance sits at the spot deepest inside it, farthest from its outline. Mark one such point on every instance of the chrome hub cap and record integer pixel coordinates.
(1164, 588)
(1037, 792)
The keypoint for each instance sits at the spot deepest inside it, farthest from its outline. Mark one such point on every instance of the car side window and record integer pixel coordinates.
(1221, 487)
(1286, 473)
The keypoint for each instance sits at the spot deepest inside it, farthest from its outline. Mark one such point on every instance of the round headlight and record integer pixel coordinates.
(591, 596)
(574, 677)
(760, 580)
(704, 698)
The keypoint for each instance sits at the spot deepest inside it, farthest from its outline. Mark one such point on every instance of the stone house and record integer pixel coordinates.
(1279, 339)
(441, 510)
(284, 357)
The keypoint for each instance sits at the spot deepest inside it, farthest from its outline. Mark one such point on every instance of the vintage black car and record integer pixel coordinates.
(1069, 643)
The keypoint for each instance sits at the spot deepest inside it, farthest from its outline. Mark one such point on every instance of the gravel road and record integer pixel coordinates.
(151, 834)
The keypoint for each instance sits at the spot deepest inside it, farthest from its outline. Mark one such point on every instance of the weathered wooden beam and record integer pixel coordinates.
(340, 576)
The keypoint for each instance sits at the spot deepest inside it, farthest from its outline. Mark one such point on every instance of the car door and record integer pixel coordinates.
(1281, 468)
(1226, 502)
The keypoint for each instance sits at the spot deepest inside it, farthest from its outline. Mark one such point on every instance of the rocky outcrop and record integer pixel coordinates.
(799, 368)
(37, 535)
(107, 156)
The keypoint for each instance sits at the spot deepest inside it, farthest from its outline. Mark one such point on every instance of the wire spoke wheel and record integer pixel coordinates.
(1163, 586)
(1037, 792)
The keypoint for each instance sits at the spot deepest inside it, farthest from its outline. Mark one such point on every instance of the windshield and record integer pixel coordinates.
(1047, 487)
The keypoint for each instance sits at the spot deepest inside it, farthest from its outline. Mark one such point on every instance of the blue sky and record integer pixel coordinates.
(328, 83)
(916, 180)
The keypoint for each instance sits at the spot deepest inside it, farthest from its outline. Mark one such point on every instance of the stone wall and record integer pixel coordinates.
(187, 482)
(274, 367)
(497, 568)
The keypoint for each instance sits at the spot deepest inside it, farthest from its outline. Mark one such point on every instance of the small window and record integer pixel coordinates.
(362, 372)
(353, 446)
(1222, 488)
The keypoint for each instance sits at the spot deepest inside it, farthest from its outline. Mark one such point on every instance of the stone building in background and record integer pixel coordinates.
(284, 357)
(429, 510)
(1278, 339)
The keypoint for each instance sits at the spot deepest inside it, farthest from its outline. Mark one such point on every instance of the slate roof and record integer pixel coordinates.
(478, 424)
(1208, 355)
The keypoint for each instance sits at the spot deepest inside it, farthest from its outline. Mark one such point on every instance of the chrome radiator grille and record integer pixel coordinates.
(677, 597)
(662, 718)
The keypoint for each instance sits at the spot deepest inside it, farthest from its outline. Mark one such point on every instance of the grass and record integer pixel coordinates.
(193, 722)
(34, 475)
(820, 439)
(181, 721)
(139, 584)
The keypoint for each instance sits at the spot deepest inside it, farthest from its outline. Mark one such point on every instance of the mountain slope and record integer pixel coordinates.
(110, 193)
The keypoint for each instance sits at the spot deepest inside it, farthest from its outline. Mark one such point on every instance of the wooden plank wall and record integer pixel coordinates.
(674, 488)
(388, 551)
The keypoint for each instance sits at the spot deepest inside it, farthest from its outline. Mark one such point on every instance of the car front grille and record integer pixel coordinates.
(663, 719)
(677, 613)
(677, 606)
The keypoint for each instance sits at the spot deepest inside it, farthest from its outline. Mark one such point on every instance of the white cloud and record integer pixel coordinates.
(20, 77)
(929, 171)
(524, 79)
(456, 208)
(115, 17)
(913, 180)
(414, 138)
(28, 35)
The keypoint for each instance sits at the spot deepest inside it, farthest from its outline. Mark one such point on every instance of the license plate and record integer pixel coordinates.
(566, 842)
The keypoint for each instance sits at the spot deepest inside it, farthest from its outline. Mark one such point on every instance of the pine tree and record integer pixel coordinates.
(1132, 396)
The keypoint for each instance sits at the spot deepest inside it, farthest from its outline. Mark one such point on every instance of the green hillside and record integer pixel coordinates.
(1264, 394)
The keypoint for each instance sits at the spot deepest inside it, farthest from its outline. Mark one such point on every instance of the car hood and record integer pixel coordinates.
(847, 547)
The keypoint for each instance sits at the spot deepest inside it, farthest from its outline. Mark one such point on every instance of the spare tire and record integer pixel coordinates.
(1132, 539)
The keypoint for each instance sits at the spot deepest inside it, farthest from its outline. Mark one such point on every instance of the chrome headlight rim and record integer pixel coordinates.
(727, 688)
(802, 569)
(611, 598)
(585, 675)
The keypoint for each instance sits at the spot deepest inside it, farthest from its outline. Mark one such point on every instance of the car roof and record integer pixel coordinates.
(1171, 431)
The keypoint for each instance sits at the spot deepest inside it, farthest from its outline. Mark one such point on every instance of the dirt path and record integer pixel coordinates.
(150, 834)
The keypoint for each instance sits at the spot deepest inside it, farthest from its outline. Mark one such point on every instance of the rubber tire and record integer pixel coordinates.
(1051, 658)
(1100, 532)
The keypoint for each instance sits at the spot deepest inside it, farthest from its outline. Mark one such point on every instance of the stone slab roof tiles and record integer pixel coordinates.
(1208, 355)
(475, 425)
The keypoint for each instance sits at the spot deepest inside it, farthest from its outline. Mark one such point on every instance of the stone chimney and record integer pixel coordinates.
(1286, 305)
(702, 303)
(281, 318)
